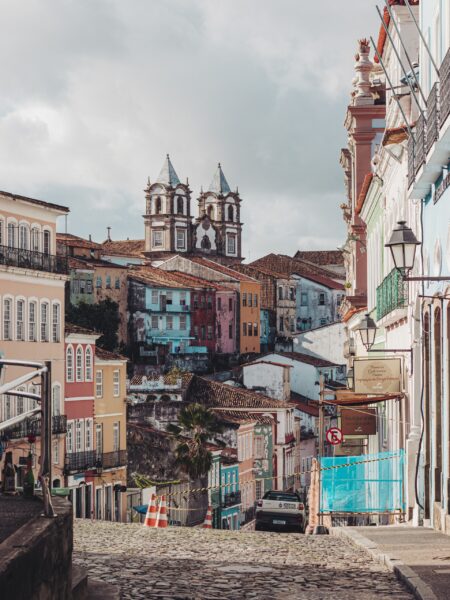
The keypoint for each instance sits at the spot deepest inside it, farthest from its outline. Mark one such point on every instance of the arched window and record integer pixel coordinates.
(56, 322)
(20, 402)
(56, 399)
(46, 242)
(79, 364)
(180, 205)
(11, 235)
(20, 320)
(44, 322)
(32, 317)
(210, 212)
(35, 239)
(230, 213)
(108, 282)
(7, 319)
(206, 243)
(158, 205)
(2, 234)
(88, 363)
(69, 364)
(23, 237)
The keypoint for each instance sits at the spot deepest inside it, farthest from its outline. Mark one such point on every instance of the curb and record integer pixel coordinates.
(405, 574)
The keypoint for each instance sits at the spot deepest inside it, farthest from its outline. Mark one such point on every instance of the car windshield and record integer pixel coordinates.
(282, 496)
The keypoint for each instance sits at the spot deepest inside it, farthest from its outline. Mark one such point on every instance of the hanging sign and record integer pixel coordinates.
(377, 375)
(334, 436)
(359, 421)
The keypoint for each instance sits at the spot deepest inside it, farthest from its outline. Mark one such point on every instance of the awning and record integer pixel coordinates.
(348, 398)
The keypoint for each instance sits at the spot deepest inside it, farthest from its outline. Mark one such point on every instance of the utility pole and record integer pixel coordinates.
(45, 474)
(321, 439)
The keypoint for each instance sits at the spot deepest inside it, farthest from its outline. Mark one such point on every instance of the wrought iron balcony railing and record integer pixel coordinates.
(391, 294)
(30, 259)
(32, 427)
(420, 145)
(444, 73)
(231, 499)
(411, 171)
(432, 116)
(80, 461)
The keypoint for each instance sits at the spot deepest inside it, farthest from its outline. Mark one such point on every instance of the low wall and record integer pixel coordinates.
(36, 560)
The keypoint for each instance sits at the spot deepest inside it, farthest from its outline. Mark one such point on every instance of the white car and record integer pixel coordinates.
(280, 510)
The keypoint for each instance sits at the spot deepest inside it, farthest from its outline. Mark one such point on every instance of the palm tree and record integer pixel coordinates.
(197, 425)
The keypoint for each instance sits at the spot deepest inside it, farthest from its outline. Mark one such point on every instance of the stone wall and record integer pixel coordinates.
(36, 560)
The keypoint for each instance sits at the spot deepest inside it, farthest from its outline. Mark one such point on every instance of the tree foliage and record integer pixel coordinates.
(197, 425)
(102, 317)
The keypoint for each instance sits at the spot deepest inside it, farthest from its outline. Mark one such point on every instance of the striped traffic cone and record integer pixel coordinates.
(207, 523)
(162, 514)
(150, 517)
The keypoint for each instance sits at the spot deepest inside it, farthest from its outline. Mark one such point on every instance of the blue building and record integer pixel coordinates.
(230, 495)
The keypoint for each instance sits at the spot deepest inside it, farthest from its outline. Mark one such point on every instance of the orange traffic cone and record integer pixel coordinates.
(162, 514)
(207, 523)
(150, 517)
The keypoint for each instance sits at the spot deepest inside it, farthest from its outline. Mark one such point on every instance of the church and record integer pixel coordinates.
(170, 228)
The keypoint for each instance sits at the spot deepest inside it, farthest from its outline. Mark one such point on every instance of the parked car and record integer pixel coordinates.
(280, 510)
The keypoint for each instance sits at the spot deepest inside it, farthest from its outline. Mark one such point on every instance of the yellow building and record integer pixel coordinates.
(110, 436)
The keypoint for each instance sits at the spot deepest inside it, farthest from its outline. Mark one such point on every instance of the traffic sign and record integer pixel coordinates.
(334, 436)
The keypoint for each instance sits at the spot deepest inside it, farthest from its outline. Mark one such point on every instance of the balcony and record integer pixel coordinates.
(432, 116)
(80, 461)
(391, 294)
(231, 499)
(109, 460)
(32, 427)
(29, 259)
(444, 73)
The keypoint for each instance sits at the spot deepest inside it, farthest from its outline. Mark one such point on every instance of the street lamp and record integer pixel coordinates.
(367, 331)
(402, 245)
(350, 378)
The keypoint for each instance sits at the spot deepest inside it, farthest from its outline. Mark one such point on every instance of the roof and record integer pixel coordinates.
(306, 358)
(287, 266)
(103, 354)
(255, 269)
(124, 247)
(69, 239)
(72, 328)
(304, 404)
(210, 264)
(267, 362)
(194, 281)
(236, 416)
(382, 36)
(158, 277)
(168, 175)
(219, 184)
(321, 257)
(363, 193)
(85, 262)
(185, 378)
(220, 395)
(395, 135)
(15, 197)
(77, 263)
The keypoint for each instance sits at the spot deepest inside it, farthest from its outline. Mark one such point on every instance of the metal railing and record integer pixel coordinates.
(444, 73)
(248, 515)
(391, 294)
(231, 499)
(80, 461)
(32, 427)
(30, 259)
(411, 171)
(420, 145)
(432, 116)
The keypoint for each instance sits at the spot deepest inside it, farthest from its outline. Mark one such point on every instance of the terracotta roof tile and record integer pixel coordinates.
(124, 247)
(287, 266)
(382, 36)
(305, 358)
(69, 239)
(304, 404)
(235, 416)
(363, 193)
(321, 257)
(210, 264)
(72, 328)
(103, 354)
(157, 277)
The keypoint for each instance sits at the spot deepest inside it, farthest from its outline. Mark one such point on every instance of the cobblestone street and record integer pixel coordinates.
(194, 563)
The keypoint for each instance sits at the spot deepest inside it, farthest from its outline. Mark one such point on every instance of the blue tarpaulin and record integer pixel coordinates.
(374, 485)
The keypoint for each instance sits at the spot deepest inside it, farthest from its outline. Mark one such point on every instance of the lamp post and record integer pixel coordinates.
(367, 330)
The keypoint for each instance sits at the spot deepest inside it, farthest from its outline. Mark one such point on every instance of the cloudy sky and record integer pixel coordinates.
(96, 92)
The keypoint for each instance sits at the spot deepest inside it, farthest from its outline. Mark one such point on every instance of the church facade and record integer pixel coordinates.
(170, 228)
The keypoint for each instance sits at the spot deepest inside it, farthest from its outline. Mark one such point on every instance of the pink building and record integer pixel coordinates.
(226, 320)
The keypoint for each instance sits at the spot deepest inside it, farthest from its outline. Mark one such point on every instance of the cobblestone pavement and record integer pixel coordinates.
(208, 564)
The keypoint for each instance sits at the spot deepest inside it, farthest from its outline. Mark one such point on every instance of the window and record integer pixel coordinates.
(219, 330)
(46, 242)
(169, 322)
(98, 283)
(249, 329)
(11, 235)
(291, 293)
(196, 332)
(116, 436)
(69, 438)
(231, 244)
(182, 322)
(69, 364)
(32, 307)
(181, 239)
(255, 329)
(210, 332)
(56, 326)
(292, 324)
(56, 400)
(230, 304)
(155, 322)
(44, 322)
(88, 434)
(88, 363)
(323, 321)
(244, 329)
(209, 302)
(281, 324)
(259, 446)
(35, 239)
(155, 297)
(108, 282)
(210, 212)
(169, 298)
(304, 299)
(23, 237)
(321, 299)
(256, 300)
(180, 205)
(99, 384)
(203, 330)
(280, 293)
(75, 286)
(183, 298)
(55, 452)
(202, 301)
(78, 435)
(82, 286)
(249, 299)
(158, 205)
(157, 239)
(20, 325)
(116, 383)
(19, 404)
(230, 213)
(79, 364)
(117, 283)
(219, 303)
(99, 438)
(230, 331)
(7, 329)
(244, 299)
